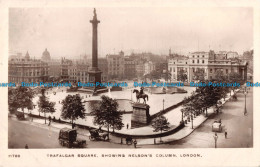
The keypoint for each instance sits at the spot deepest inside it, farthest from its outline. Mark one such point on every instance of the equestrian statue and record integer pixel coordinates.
(140, 95)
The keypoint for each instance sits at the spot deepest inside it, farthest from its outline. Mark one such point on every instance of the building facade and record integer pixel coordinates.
(115, 66)
(207, 63)
(27, 70)
(129, 67)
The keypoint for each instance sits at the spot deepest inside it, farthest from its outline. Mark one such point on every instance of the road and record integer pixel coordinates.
(238, 127)
(21, 133)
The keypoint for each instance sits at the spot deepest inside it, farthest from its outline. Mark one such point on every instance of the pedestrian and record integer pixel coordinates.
(127, 126)
(226, 134)
(135, 143)
(26, 146)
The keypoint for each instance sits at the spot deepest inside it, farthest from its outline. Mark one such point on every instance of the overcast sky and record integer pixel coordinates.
(68, 32)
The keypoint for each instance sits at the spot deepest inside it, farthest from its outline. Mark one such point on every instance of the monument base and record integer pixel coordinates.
(140, 116)
(93, 90)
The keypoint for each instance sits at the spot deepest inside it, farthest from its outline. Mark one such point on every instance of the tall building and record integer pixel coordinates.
(54, 69)
(129, 68)
(65, 64)
(115, 66)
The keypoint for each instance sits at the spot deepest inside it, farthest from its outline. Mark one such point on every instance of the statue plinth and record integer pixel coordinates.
(140, 116)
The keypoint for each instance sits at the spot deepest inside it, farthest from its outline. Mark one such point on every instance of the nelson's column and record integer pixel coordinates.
(94, 72)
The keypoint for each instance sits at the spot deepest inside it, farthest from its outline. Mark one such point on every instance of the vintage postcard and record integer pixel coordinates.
(129, 83)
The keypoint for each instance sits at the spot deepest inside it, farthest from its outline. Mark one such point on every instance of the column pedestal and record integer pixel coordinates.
(140, 116)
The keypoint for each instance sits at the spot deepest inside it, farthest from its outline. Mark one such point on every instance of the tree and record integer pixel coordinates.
(219, 76)
(155, 75)
(20, 97)
(167, 75)
(160, 124)
(188, 109)
(182, 76)
(208, 96)
(107, 114)
(72, 108)
(45, 105)
(199, 74)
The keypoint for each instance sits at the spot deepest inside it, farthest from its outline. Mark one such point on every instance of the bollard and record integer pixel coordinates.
(121, 140)
(154, 140)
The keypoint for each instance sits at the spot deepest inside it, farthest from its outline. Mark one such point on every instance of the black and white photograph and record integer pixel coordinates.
(137, 78)
(122, 82)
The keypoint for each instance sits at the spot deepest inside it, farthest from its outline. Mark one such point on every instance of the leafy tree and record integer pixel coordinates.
(182, 76)
(72, 108)
(20, 97)
(235, 77)
(208, 96)
(188, 109)
(155, 75)
(160, 124)
(45, 105)
(167, 75)
(199, 74)
(219, 76)
(107, 114)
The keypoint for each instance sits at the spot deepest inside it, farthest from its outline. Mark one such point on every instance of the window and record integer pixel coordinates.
(192, 61)
(198, 56)
(186, 62)
(210, 70)
(202, 61)
(193, 56)
(173, 69)
(198, 61)
(202, 55)
(226, 70)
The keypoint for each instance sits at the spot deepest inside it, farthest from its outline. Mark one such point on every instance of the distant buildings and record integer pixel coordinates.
(118, 66)
(27, 70)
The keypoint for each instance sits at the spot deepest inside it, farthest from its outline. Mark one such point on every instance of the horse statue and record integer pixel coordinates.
(140, 95)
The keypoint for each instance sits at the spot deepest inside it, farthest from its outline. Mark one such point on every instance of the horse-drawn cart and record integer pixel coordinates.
(97, 134)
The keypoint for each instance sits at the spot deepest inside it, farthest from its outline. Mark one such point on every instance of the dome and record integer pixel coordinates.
(27, 56)
(46, 55)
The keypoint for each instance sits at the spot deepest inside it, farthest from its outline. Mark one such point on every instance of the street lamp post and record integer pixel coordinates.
(131, 95)
(191, 121)
(245, 93)
(182, 115)
(163, 104)
(215, 138)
